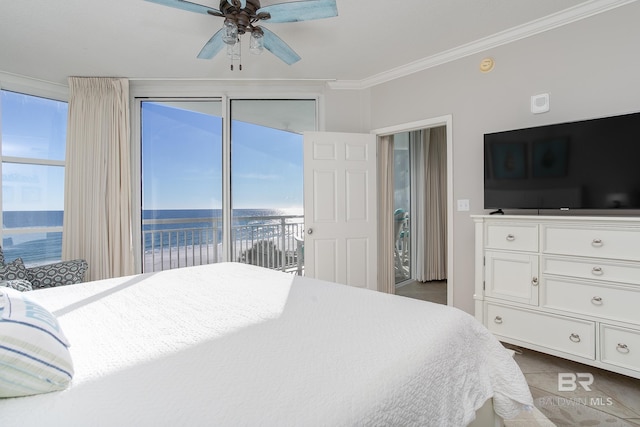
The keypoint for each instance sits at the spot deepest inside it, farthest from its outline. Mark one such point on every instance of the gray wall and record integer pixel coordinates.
(590, 68)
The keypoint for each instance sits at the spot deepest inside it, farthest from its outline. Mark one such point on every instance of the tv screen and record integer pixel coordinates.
(589, 164)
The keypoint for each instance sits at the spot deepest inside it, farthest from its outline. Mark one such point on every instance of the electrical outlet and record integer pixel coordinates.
(463, 205)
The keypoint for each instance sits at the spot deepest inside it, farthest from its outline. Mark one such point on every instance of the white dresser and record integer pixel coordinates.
(567, 286)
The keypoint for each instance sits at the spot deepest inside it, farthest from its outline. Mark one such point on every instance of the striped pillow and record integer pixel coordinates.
(17, 284)
(34, 353)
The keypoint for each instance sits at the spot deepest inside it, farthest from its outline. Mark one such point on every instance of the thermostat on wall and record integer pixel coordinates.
(540, 103)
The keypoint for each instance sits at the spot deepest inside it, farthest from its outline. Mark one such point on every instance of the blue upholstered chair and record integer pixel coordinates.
(15, 274)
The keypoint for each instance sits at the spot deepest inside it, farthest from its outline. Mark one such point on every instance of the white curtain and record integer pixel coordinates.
(431, 213)
(97, 203)
(386, 241)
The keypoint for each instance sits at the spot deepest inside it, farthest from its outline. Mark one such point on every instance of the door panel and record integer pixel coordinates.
(340, 201)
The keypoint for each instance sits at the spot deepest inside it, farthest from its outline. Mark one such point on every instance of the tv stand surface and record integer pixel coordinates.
(566, 286)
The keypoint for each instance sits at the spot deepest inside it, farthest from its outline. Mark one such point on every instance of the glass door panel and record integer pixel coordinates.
(402, 207)
(181, 183)
(267, 181)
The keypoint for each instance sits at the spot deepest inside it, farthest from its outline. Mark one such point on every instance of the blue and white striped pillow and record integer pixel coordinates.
(34, 353)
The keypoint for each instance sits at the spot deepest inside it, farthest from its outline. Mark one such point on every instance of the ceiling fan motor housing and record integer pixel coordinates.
(242, 17)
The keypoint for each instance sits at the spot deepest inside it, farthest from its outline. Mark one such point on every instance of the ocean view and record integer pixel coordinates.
(162, 230)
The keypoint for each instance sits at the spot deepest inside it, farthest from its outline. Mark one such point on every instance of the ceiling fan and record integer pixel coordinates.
(241, 16)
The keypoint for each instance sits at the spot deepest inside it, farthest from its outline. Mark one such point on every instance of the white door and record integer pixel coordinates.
(340, 208)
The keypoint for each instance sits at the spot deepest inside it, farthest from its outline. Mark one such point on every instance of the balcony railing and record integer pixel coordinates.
(267, 241)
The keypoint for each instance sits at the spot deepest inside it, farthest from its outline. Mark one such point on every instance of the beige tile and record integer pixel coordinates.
(611, 393)
(534, 362)
(570, 412)
(435, 291)
(533, 418)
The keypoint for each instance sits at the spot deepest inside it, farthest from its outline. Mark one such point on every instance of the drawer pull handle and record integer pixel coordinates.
(511, 237)
(498, 319)
(574, 337)
(622, 348)
(597, 271)
(596, 243)
(596, 301)
(534, 281)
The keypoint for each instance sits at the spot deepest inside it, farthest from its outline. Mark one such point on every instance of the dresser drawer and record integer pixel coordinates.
(514, 237)
(594, 269)
(572, 336)
(610, 302)
(600, 242)
(620, 346)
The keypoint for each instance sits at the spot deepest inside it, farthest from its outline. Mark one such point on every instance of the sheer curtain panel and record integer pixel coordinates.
(97, 205)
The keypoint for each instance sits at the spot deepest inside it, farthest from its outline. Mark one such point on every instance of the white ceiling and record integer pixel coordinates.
(370, 40)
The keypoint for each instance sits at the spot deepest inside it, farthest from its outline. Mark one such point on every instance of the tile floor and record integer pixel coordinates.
(613, 399)
(435, 291)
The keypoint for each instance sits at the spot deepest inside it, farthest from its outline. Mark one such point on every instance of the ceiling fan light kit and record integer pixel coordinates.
(241, 17)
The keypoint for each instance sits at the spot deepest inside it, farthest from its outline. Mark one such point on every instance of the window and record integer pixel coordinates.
(33, 140)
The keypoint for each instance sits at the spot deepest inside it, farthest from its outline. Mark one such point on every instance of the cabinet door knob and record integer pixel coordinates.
(534, 281)
(511, 237)
(596, 243)
(622, 348)
(597, 271)
(498, 319)
(574, 337)
(596, 301)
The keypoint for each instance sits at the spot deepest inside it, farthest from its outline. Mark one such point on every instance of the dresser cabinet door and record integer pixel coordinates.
(512, 277)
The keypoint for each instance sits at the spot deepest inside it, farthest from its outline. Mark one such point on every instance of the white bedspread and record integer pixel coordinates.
(235, 345)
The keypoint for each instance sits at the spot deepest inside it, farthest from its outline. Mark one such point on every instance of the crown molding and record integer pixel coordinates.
(32, 86)
(564, 17)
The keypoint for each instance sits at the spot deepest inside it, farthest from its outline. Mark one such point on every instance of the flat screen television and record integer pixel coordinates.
(589, 164)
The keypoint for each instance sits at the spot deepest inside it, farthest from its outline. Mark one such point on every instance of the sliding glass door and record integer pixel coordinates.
(213, 192)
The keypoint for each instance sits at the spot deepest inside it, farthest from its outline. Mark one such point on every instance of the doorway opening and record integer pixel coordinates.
(421, 214)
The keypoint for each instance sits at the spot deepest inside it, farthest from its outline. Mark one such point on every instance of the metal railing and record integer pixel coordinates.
(267, 241)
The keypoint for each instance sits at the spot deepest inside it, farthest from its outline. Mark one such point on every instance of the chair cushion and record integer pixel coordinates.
(15, 270)
(34, 353)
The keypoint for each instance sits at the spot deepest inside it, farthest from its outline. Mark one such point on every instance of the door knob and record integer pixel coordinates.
(310, 231)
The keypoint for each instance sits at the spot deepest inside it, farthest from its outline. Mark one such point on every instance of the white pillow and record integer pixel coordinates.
(34, 353)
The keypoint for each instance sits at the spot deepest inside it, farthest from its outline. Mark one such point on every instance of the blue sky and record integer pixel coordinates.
(182, 166)
(32, 128)
(182, 159)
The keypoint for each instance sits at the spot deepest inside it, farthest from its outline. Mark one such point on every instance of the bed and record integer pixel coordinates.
(236, 345)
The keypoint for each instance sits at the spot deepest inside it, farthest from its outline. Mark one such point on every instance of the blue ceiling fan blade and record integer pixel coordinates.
(243, 3)
(301, 10)
(185, 5)
(279, 48)
(212, 47)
